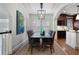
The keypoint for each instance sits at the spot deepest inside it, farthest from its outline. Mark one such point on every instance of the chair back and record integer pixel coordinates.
(35, 41)
(49, 41)
(53, 37)
(51, 32)
(30, 33)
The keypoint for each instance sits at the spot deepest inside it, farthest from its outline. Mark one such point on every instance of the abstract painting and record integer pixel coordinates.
(19, 22)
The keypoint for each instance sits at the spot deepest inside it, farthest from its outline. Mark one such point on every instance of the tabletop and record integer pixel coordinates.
(37, 35)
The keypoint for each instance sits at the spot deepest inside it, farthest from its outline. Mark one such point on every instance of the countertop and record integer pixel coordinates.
(62, 28)
(74, 31)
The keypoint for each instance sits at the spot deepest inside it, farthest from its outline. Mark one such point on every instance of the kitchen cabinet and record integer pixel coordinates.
(71, 38)
(70, 23)
(61, 34)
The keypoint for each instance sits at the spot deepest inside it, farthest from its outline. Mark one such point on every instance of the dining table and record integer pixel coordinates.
(38, 35)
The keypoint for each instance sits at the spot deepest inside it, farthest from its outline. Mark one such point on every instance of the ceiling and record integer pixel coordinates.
(36, 6)
(67, 8)
(53, 8)
(49, 7)
(70, 9)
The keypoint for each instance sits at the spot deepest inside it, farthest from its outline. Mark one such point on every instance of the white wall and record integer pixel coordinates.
(15, 40)
(77, 39)
(0, 44)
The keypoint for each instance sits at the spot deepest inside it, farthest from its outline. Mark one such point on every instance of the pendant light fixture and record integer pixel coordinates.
(41, 13)
(77, 17)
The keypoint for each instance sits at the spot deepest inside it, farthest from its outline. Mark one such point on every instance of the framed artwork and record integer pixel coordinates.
(19, 22)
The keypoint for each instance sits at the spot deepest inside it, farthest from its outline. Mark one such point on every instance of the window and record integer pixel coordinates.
(36, 22)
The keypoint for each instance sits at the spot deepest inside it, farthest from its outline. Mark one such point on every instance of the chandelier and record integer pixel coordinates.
(77, 17)
(41, 13)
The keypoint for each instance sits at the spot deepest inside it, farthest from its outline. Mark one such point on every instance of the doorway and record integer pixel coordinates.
(64, 23)
(61, 30)
(4, 26)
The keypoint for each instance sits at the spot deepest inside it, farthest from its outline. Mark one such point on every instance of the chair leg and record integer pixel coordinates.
(51, 49)
(39, 47)
(43, 47)
(31, 49)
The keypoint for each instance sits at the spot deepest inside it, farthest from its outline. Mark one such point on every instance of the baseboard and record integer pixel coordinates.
(22, 44)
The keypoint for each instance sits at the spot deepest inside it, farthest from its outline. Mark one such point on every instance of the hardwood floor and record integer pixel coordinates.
(61, 48)
(67, 49)
(24, 51)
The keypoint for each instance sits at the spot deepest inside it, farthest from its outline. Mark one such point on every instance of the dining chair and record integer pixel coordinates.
(50, 32)
(49, 42)
(29, 33)
(35, 43)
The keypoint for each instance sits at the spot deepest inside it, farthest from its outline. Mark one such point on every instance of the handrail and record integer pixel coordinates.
(6, 32)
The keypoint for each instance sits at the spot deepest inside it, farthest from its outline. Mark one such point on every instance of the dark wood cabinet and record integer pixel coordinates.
(61, 34)
(62, 20)
(62, 23)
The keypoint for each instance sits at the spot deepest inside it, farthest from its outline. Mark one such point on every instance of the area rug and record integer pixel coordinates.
(24, 51)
